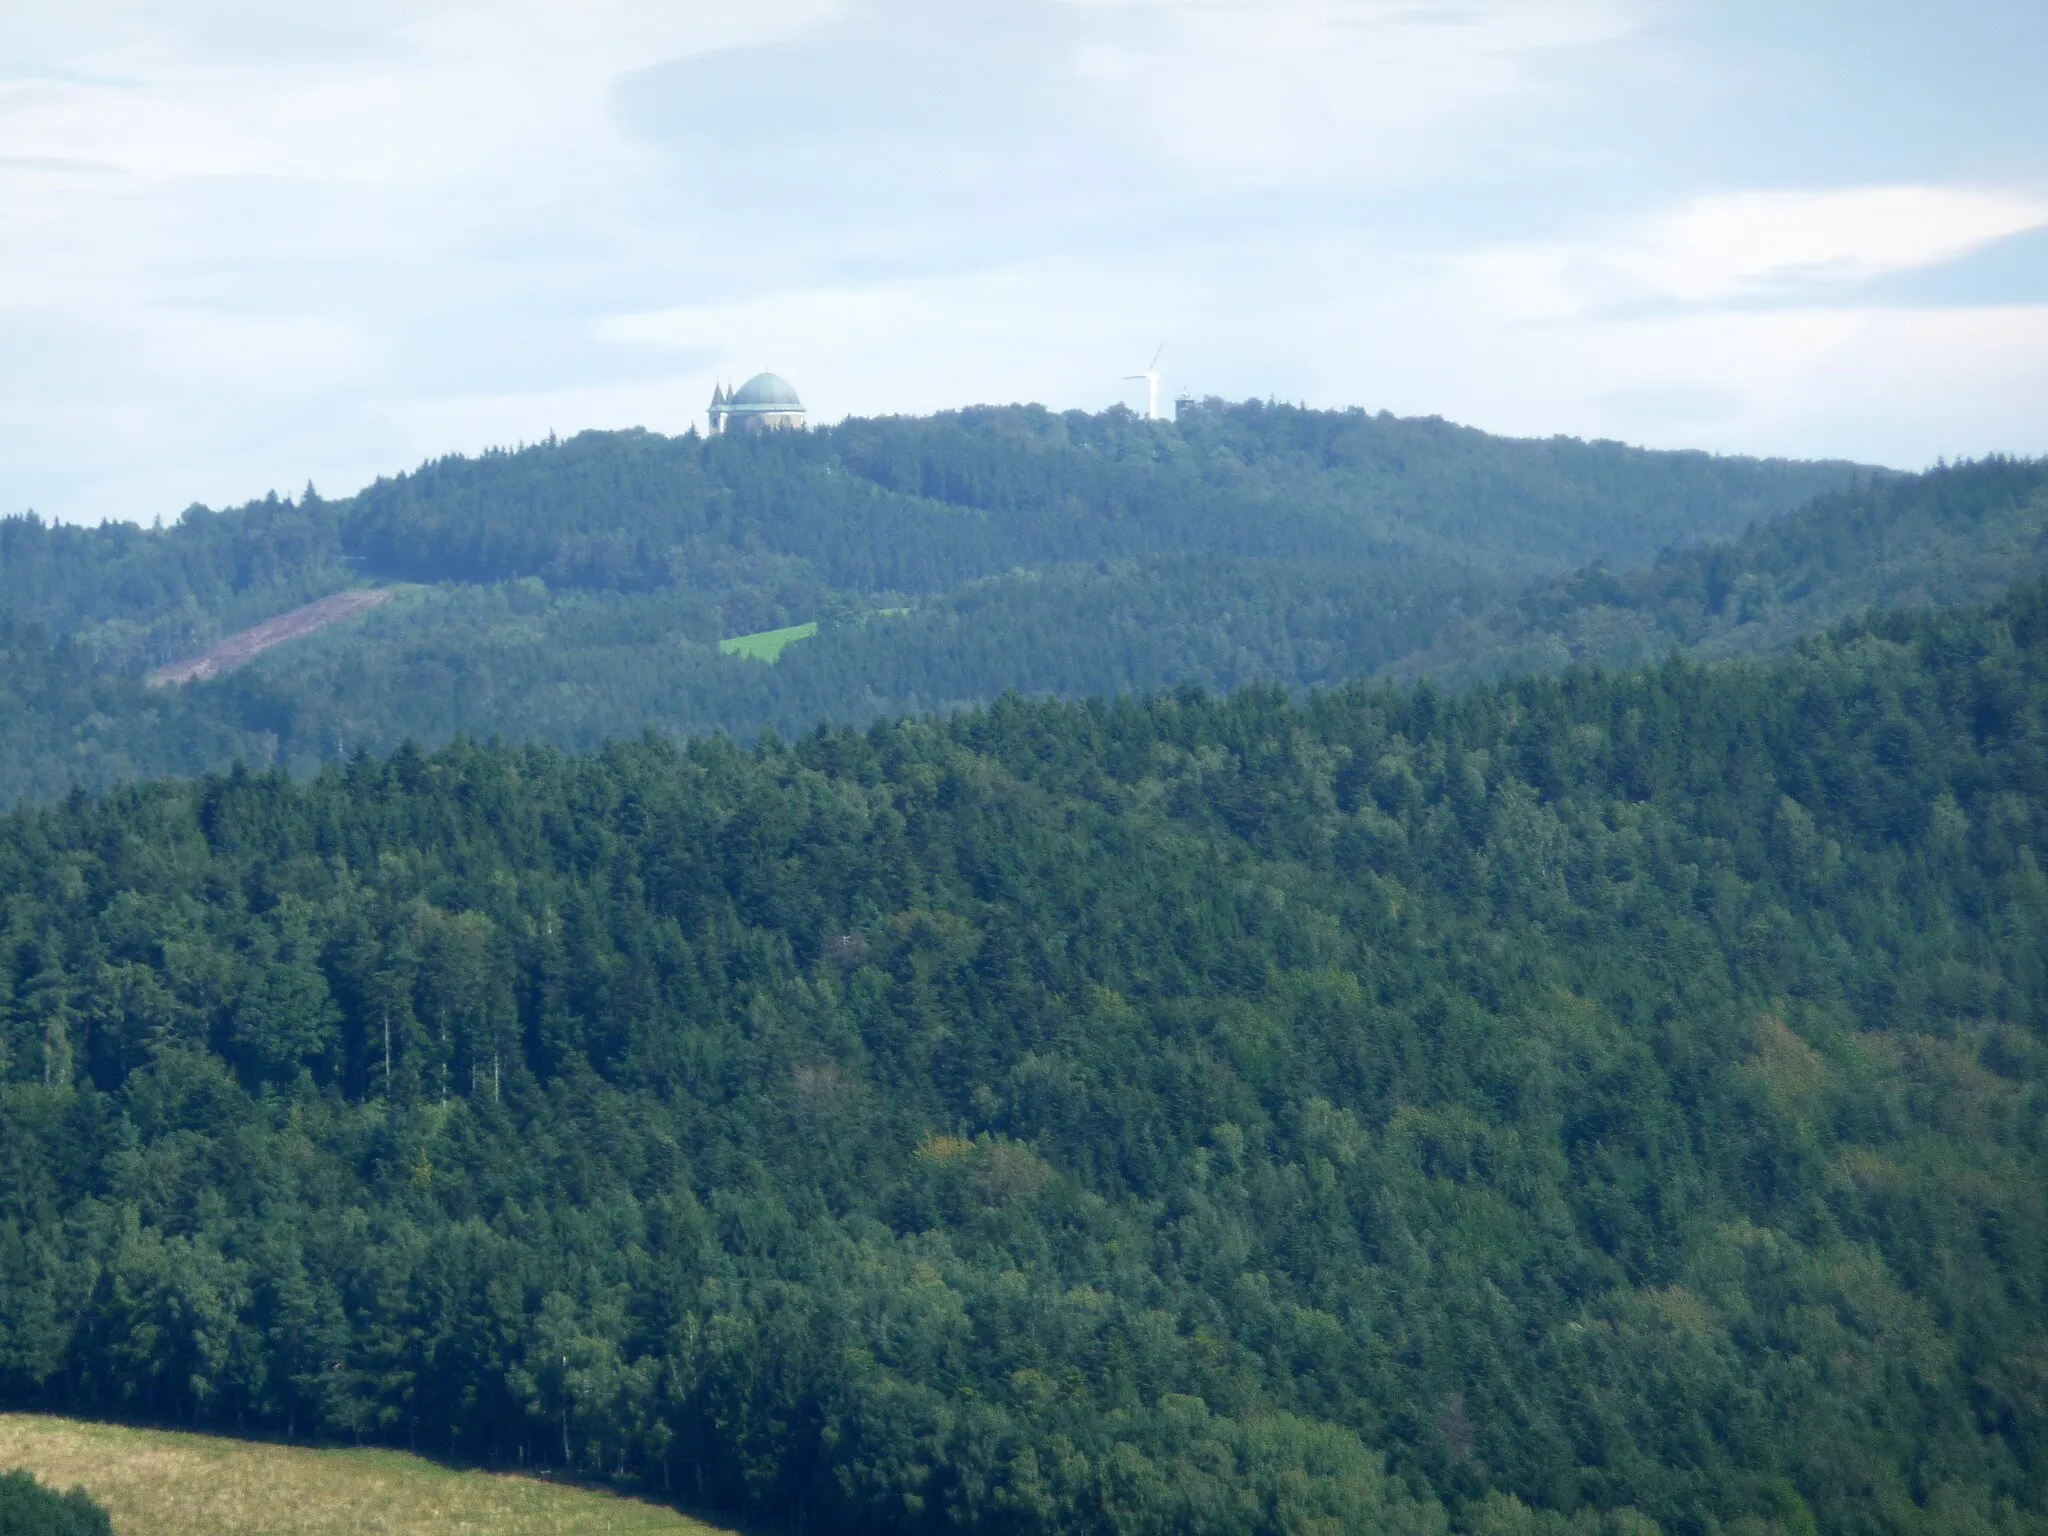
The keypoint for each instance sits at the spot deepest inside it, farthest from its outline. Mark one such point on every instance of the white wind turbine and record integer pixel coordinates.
(1151, 378)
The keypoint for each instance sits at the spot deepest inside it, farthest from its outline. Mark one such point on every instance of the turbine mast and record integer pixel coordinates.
(1151, 378)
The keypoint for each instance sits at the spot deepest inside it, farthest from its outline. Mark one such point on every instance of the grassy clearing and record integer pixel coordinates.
(767, 644)
(155, 1483)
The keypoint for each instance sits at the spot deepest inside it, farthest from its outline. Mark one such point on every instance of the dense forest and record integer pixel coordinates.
(907, 506)
(921, 505)
(1612, 1102)
(1957, 534)
(577, 665)
(134, 597)
(572, 669)
(574, 591)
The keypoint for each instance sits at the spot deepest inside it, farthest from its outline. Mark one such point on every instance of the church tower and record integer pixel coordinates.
(719, 399)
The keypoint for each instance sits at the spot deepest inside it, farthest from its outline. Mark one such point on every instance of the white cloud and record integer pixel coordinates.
(1895, 385)
(1734, 246)
(1750, 242)
(1293, 88)
(409, 95)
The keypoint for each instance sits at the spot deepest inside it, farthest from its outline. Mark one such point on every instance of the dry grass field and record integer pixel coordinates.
(161, 1484)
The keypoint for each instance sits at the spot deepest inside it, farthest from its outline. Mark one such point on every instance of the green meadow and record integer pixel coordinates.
(767, 644)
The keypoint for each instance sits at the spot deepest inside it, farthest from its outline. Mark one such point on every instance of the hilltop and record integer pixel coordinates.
(577, 590)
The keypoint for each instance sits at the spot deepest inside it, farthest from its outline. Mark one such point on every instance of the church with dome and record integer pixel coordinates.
(762, 404)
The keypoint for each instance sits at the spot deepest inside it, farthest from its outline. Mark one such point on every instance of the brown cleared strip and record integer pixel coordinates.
(240, 649)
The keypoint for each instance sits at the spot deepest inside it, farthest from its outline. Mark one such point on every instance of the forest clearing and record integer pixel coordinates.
(768, 644)
(238, 650)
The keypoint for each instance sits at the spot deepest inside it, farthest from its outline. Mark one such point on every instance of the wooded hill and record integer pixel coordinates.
(1955, 535)
(574, 591)
(1611, 1102)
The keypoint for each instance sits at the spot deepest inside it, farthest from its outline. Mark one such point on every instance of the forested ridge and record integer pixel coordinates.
(917, 505)
(1957, 534)
(571, 669)
(575, 666)
(574, 591)
(1611, 1101)
(903, 506)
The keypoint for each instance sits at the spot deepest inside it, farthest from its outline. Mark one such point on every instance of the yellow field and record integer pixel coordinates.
(160, 1484)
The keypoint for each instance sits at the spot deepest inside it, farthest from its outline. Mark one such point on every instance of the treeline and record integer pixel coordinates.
(921, 505)
(881, 509)
(1609, 1102)
(134, 597)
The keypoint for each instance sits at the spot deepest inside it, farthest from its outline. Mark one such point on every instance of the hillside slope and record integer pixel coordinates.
(921, 505)
(580, 589)
(1953, 535)
(161, 1483)
(1612, 1102)
(902, 505)
(577, 667)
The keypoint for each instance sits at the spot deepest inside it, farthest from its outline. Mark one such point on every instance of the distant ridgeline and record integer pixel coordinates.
(573, 591)
(1609, 1103)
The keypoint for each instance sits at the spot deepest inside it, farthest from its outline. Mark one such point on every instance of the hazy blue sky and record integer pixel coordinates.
(240, 247)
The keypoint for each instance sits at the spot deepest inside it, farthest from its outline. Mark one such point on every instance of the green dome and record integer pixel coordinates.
(764, 393)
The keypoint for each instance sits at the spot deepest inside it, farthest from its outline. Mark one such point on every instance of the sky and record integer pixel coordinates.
(244, 246)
